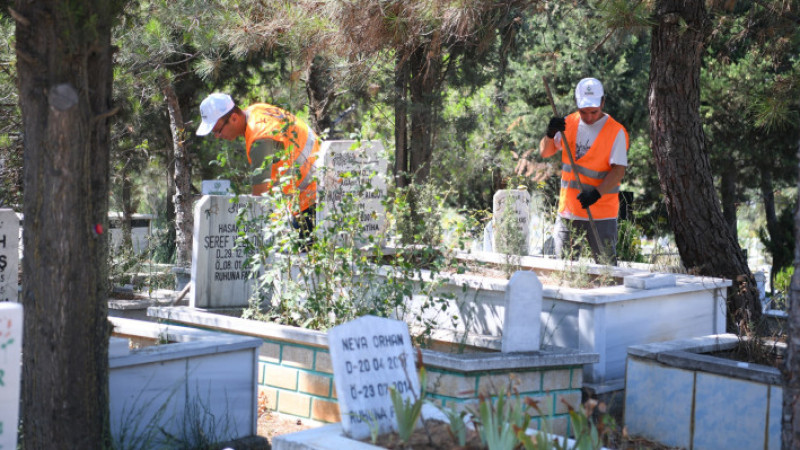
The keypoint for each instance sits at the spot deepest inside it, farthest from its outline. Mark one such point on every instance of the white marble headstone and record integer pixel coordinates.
(9, 255)
(522, 322)
(369, 355)
(346, 168)
(219, 278)
(10, 368)
(519, 201)
(216, 187)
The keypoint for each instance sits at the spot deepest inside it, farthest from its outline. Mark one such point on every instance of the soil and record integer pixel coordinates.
(435, 436)
(553, 278)
(271, 424)
(754, 352)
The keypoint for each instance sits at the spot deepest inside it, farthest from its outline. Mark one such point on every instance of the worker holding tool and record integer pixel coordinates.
(276, 141)
(600, 155)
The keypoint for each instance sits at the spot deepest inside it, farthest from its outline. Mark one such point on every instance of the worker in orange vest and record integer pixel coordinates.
(600, 151)
(275, 139)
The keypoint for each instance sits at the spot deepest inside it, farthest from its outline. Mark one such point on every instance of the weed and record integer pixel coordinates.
(344, 271)
(407, 413)
(499, 422)
(144, 423)
(458, 429)
(629, 243)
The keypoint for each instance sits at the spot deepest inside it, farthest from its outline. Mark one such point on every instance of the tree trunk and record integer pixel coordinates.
(64, 62)
(400, 122)
(183, 180)
(169, 208)
(728, 197)
(705, 242)
(424, 73)
(321, 93)
(773, 228)
(127, 208)
(790, 419)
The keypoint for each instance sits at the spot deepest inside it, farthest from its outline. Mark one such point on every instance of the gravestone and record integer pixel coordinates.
(219, 277)
(369, 355)
(10, 368)
(348, 171)
(9, 255)
(510, 212)
(522, 322)
(216, 187)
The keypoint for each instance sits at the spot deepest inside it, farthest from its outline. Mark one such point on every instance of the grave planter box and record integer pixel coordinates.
(182, 381)
(645, 307)
(296, 376)
(679, 394)
(332, 437)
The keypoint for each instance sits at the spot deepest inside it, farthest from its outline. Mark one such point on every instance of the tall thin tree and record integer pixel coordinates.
(64, 62)
(183, 179)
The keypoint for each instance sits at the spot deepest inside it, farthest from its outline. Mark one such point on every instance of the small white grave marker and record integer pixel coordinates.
(517, 202)
(10, 368)
(522, 324)
(369, 355)
(217, 187)
(9, 255)
(219, 278)
(346, 169)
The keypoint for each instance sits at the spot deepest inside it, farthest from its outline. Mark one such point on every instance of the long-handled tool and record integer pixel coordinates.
(577, 175)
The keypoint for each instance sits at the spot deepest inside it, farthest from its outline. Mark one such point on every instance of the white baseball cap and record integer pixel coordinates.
(589, 93)
(212, 108)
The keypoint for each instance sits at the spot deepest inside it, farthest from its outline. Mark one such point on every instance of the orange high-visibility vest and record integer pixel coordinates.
(592, 167)
(270, 122)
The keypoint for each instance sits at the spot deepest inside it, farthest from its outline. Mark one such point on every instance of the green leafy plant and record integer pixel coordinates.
(372, 423)
(589, 429)
(509, 236)
(629, 243)
(418, 211)
(780, 287)
(142, 422)
(585, 432)
(500, 421)
(458, 429)
(407, 412)
(344, 271)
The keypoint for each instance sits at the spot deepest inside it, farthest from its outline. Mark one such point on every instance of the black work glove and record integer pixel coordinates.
(588, 198)
(556, 124)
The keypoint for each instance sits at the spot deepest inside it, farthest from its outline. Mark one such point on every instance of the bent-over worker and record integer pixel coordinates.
(277, 141)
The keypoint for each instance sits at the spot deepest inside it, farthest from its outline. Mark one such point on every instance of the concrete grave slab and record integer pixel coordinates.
(522, 324)
(516, 202)
(219, 278)
(370, 355)
(352, 171)
(10, 371)
(9, 255)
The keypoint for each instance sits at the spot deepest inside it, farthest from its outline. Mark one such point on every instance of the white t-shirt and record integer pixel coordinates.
(586, 136)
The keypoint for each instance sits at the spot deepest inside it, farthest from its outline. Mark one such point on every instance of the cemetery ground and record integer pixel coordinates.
(272, 425)
(436, 436)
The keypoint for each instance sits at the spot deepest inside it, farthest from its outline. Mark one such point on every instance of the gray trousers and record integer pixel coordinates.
(570, 236)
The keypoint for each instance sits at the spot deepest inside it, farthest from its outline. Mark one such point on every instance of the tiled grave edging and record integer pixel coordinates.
(679, 396)
(296, 376)
(297, 379)
(552, 376)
